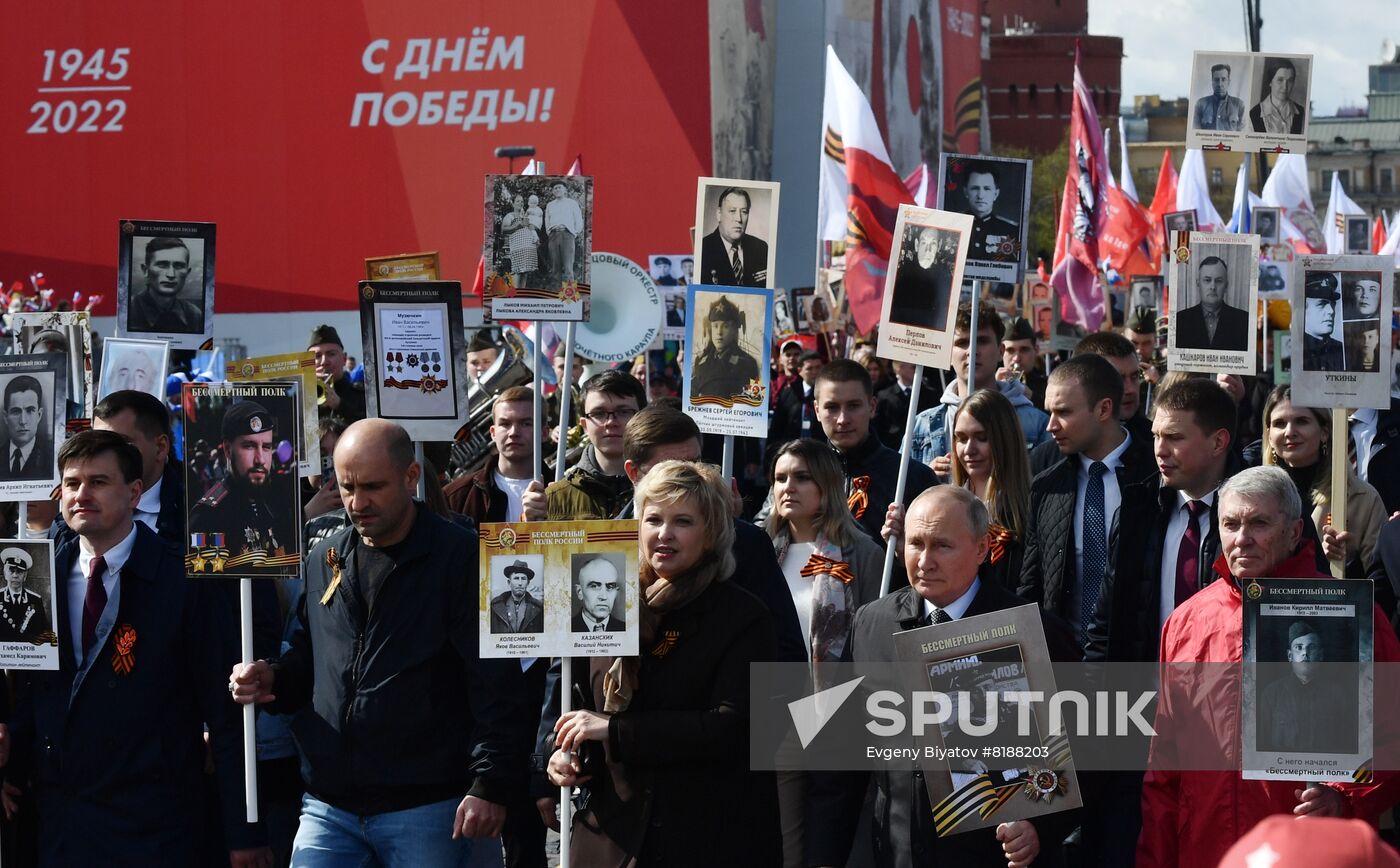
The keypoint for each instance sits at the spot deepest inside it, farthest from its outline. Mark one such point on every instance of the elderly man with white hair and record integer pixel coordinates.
(1193, 817)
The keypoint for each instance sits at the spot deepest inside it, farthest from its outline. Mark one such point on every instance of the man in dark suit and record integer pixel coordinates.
(113, 742)
(796, 414)
(923, 282)
(30, 453)
(892, 404)
(1212, 324)
(22, 615)
(729, 256)
(943, 540)
(516, 610)
(596, 591)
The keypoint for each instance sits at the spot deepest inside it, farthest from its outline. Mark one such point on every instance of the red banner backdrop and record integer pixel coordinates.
(314, 137)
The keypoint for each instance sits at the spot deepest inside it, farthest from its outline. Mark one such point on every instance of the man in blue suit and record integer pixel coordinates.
(112, 743)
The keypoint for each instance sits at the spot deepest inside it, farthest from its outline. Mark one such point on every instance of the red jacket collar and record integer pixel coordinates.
(1302, 565)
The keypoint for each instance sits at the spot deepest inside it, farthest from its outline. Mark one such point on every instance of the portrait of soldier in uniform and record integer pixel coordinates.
(22, 614)
(516, 610)
(595, 588)
(723, 369)
(243, 507)
(1306, 710)
(1321, 351)
(993, 236)
(156, 306)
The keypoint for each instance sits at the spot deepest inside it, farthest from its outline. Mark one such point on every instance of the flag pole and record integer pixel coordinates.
(971, 342)
(1340, 438)
(892, 544)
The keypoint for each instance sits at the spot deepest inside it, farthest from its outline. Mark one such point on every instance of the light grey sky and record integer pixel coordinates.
(1344, 37)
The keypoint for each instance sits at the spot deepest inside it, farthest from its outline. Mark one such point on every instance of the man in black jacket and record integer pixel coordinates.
(944, 539)
(892, 403)
(384, 664)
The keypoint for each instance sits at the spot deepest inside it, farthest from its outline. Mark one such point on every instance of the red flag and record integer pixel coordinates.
(1125, 230)
(1083, 214)
(1378, 236)
(1163, 201)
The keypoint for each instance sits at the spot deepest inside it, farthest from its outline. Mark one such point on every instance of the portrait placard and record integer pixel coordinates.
(1145, 291)
(736, 237)
(1179, 221)
(1307, 684)
(783, 321)
(1242, 101)
(243, 496)
(1341, 340)
(996, 191)
(1265, 223)
(558, 589)
(725, 388)
(1275, 269)
(673, 298)
(971, 661)
(34, 388)
(128, 363)
(921, 286)
(415, 356)
(1283, 358)
(404, 266)
(802, 307)
(1214, 294)
(165, 282)
(28, 614)
(297, 368)
(671, 269)
(68, 332)
(1358, 235)
(539, 237)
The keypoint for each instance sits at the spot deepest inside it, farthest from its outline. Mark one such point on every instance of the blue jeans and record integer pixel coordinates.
(331, 838)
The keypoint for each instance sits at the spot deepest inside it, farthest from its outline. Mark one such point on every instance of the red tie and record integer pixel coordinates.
(93, 602)
(1188, 556)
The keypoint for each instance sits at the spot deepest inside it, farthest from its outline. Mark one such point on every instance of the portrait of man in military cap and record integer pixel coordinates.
(516, 609)
(1321, 349)
(248, 518)
(723, 368)
(24, 617)
(1307, 709)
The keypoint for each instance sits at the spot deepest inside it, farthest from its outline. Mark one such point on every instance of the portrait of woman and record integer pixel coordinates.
(1276, 112)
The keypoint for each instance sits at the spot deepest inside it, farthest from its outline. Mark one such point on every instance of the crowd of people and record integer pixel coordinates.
(1127, 501)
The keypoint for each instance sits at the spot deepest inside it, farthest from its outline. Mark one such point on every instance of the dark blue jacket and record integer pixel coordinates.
(115, 758)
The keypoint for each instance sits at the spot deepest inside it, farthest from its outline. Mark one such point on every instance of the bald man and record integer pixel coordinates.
(385, 661)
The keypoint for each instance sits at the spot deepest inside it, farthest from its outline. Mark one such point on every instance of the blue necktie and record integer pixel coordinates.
(1095, 558)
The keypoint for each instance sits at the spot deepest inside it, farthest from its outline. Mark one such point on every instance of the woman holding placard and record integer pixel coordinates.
(662, 740)
(990, 460)
(1297, 439)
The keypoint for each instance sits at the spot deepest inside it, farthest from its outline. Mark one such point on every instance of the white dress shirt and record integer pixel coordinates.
(1363, 437)
(148, 507)
(1171, 544)
(116, 558)
(24, 452)
(958, 607)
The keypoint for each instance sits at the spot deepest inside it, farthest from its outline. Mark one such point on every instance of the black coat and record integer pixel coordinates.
(375, 690)
(1231, 332)
(892, 411)
(682, 746)
(903, 835)
(1383, 470)
(873, 468)
(786, 423)
(39, 465)
(717, 268)
(1385, 569)
(117, 758)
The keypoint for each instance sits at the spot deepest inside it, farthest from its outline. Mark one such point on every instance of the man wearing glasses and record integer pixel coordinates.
(597, 486)
(30, 453)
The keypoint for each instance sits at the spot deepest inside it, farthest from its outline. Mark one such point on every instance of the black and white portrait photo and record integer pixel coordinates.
(539, 229)
(736, 225)
(1280, 95)
(517, 594)
(1217, 318)
(1305, 706)
(165, 281)
(28, 617)
(1358, 234)
(923, 278)
(728, 341)
(1345, 326)
(30, 432)
(1219, 83)
(70, 334)
(598, 590)
(995, 192)
(666, 269)
(133, 364)
(1265, 224)
(1322, 347)
(1145, 292)
(1213, 292)
(1179, 221)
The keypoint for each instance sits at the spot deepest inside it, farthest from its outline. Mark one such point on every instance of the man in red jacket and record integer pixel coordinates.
(1193, 817)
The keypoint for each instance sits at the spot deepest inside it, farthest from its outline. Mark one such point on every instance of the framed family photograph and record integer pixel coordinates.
(300, 370)
(969, 660)
(558, 589)
(1308, 682)
(671, 269)
(34, 389)
(68, 332)
(736, 237)
(415, 355)
(725, 388)
(1341, 343)
(922, 286)
(1243, 101)
(539, 237)
(243, 490)
(404, 266)
(1214, 294)
(996, 191)
(28, 611)
(128, 363)
(165, 282)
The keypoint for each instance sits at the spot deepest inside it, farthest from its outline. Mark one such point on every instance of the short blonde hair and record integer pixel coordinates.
(673, 481)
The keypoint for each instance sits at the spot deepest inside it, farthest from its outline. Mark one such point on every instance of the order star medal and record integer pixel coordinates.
(334, 563)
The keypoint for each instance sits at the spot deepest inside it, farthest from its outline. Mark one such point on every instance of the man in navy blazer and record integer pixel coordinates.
(729, 256)
(113, 742)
